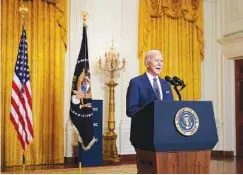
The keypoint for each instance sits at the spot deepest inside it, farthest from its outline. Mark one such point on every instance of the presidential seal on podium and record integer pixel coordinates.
(187, 121)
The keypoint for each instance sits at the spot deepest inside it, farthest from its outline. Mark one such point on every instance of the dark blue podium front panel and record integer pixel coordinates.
(153, 127)
(93, 157)
(167, 137)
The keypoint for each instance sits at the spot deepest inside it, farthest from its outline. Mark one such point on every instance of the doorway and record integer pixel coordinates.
(239, 106)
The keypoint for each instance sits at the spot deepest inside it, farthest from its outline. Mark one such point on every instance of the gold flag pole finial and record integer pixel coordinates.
(85, 16)
(23, 10)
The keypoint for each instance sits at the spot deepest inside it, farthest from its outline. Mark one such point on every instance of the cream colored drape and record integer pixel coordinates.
(46, 34)
(175, 27)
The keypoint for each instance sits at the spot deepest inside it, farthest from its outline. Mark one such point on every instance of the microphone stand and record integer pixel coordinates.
(177, 91)
(176, 82)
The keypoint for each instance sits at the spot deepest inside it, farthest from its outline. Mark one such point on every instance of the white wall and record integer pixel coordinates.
(212, 67)
(231, 41)
(223, 19)
(107, 19)
(223, 25)
(233, 17)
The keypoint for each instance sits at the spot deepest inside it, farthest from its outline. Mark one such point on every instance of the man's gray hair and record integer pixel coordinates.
(150, 54)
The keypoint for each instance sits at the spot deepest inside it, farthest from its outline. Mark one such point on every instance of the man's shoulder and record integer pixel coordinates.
(163, 81)
(137, 78)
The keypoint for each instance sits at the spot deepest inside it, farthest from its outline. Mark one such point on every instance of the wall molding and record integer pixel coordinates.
(222, 154)
(235, 34)
(125, 146)
(230, 37)
(231, 45)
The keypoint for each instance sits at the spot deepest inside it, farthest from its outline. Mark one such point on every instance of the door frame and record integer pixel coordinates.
(236, 106)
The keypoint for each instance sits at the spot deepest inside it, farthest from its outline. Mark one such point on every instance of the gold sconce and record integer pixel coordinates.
(111, 64)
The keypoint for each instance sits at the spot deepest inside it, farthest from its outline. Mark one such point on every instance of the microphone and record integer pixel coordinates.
(167, 78)
(179, 82)
(175, 81)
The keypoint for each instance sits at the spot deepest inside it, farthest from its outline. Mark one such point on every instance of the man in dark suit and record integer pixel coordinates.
(148, 87)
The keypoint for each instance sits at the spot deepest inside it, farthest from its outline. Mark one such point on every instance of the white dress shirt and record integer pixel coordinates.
(151, 80)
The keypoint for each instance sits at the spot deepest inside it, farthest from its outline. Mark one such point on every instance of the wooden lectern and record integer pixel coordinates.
(164, 147)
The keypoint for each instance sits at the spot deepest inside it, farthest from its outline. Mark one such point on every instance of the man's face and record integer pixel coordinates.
(155, 64)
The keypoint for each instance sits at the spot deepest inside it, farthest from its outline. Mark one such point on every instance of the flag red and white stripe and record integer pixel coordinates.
(80, 94)
(21, 100)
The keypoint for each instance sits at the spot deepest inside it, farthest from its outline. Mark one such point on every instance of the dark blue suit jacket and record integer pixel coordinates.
(140, 93)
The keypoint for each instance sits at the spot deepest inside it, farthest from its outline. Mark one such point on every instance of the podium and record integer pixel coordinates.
(174, 137)
(93, 157)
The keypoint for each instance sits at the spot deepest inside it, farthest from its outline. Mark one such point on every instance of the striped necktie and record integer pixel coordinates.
(156, 89)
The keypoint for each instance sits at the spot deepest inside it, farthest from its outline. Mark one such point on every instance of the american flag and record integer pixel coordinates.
(21, 101)
(80, 94)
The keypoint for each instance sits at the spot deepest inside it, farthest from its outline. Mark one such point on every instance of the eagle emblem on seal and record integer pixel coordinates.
(83, 90)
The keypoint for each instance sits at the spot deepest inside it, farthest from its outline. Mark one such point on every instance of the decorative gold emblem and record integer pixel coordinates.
(83, 90)
(187, 121)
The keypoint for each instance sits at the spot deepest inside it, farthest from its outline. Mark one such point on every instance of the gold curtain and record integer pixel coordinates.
(175, 27)
(46, 34)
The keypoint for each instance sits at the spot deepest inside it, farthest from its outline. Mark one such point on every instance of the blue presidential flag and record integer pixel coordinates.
(81, 112)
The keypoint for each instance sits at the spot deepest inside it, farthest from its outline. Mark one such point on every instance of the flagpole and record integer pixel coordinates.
(85, 16)
(23, 164)
(79, 158)
(23, 11)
